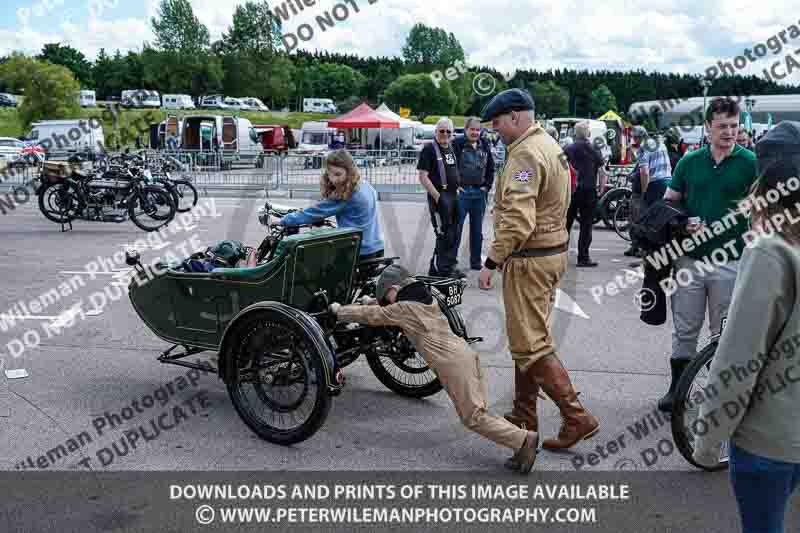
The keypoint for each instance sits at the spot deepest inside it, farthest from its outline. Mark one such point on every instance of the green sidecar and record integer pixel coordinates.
(280, 351)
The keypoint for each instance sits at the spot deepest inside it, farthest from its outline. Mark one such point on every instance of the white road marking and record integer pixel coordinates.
(17, 373)
(565, 302)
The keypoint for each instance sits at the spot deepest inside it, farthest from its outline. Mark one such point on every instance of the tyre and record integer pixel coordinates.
(622, 219)
(151, 207)
(399, 366)
(608, 204)
(186, 195)
(278, 382)
(59, 202)
(685, 412)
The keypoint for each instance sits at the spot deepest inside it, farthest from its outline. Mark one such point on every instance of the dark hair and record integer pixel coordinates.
(721, 105)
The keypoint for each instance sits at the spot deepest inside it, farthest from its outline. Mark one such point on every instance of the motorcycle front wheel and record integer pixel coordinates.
(151, 207)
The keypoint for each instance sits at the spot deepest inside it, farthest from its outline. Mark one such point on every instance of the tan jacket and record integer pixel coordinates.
(425, 326)
(532, 196)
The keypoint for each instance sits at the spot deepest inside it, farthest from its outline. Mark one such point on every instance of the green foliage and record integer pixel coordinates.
(70, 58)
(551, 99)
(603, 100)
(178, 29)
(337, 82)
(418, 92)
(51, 91)
(255, 31)
(432, 46)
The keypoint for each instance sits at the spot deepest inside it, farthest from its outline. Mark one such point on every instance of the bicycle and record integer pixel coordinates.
(690, 393)
(621, 219)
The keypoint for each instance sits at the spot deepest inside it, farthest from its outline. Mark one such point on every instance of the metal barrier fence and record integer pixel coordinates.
(15, 175)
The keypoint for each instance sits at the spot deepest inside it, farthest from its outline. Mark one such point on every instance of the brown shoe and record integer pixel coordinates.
(526, 391)
(525, 457)
(576, 422)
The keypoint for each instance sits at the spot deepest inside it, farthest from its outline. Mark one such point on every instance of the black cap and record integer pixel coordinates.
(507, 101)
(778, 153)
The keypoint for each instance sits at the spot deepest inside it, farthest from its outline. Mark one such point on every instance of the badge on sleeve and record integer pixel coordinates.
(523, 176)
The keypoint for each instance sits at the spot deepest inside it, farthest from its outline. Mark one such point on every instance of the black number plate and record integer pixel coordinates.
(453, 294)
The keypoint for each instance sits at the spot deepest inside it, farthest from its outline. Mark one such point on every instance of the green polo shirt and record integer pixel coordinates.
(712, 191)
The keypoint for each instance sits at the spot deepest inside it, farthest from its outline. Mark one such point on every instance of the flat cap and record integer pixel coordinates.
(507, 101)
(391, 275)
(778, 153)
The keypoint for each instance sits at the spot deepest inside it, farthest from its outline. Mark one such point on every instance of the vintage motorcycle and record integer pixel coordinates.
(67, 193)
(280, 351)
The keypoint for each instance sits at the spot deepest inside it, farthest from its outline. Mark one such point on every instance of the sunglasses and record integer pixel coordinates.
(445, 131)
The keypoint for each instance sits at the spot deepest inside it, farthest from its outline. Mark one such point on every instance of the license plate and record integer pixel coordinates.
(453, 294)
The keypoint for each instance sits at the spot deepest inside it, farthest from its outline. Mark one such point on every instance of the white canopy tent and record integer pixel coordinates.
(404, 134)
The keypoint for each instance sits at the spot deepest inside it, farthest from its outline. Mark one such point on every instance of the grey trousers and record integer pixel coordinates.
(695, 287)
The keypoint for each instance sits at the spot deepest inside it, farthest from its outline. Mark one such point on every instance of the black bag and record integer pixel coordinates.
(659, 224)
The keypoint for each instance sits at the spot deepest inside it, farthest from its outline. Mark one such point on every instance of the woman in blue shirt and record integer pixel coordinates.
(350, 199)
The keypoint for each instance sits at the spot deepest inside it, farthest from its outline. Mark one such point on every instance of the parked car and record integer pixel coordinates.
(87, 98)
(233, 103)
(8, 100)
(140, 98)
(178, 101)
(213, 101)
(253, 104)
(318, 105)
(275, 138)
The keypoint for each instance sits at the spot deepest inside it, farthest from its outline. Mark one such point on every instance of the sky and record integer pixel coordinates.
(681, 36)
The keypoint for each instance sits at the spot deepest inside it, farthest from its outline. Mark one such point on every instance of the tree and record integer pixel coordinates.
(177, 28)
(602, 100)
(432, 46)
(102, 71)
(337, 82)
(70, 58)
(255, 30)
(51, 91)
(551, 99)
(418, 92)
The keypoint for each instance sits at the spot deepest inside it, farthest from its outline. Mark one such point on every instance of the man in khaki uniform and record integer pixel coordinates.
(530, 248)
(408, 304)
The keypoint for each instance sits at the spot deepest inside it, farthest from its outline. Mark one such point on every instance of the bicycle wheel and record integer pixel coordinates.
(622, 219)
(691, 392)
(187, 195)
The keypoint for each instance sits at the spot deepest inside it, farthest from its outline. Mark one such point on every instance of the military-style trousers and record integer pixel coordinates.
(466, 386)
(529, 292)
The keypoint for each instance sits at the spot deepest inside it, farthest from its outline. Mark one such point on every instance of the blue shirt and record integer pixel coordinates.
(360, 211)
(656, 158)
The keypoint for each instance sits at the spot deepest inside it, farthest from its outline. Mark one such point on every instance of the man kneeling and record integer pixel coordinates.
(408, 304)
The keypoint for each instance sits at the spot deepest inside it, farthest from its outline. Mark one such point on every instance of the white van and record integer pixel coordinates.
(177, 101)
(140, 98)
(66, 136)
(213, 101)
(87, 98)
(316, 136)
(318, 105)
(253, 104)
(233, 138)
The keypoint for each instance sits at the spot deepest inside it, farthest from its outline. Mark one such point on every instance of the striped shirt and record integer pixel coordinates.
(656, 158)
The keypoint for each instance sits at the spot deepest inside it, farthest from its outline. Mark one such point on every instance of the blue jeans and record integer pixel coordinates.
(472, 203)
(763, 488)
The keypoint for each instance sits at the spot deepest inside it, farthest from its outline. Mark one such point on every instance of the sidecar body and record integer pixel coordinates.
(194, 309)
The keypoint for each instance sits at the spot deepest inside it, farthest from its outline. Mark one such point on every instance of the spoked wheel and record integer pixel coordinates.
(279, 385)
(59, 202)
(690, 393)
(622, 219)
(609, 202)
(402, 369)
(187, 195)
(151, 207)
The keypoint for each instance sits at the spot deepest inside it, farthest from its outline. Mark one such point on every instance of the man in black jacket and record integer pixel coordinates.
(476, 167)
(588, 162)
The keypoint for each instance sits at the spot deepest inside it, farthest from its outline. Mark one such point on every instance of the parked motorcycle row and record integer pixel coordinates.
(114, 189)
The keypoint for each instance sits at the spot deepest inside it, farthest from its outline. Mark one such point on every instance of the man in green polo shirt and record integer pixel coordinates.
(710, 182)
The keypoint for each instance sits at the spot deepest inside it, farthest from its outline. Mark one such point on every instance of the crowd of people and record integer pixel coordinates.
(535, 206)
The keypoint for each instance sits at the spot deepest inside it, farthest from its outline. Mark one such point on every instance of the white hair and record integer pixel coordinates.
(582, 130)
(446, 122)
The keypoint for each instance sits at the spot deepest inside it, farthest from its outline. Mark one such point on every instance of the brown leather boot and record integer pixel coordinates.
(526, 391)
(576, 422)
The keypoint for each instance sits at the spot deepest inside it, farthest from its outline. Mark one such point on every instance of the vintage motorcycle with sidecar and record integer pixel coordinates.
(280, 352)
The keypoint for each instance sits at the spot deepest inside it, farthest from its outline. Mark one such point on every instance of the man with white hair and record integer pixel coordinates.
(588, 163)
(438, 173)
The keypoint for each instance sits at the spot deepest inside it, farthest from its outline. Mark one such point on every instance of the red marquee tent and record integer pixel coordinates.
(363, 116)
